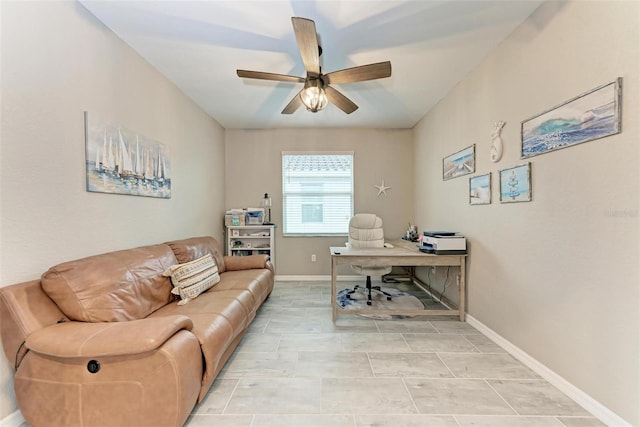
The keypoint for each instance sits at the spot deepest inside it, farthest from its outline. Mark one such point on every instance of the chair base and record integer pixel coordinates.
(369, 289)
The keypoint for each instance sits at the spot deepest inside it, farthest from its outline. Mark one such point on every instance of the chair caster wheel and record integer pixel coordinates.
(368, 302)
(388, 298)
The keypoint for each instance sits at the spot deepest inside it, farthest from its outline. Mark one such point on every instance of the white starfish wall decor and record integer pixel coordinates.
(382, 189)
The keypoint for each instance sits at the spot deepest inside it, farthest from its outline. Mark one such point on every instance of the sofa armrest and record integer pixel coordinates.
(80, 339)
(246, 262)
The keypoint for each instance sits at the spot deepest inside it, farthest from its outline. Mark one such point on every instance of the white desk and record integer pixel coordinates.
(403, 254)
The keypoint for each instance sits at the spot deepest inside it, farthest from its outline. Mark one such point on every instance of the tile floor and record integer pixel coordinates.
(296, 368)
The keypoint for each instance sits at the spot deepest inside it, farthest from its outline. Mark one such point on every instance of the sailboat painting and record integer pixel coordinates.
(121, 161)
(593, 115)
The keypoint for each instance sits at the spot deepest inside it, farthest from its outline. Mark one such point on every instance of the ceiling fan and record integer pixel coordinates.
(316, 92)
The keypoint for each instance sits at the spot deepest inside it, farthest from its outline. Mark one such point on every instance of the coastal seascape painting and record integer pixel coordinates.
(461, 163)
(121, 161)
(593, 115)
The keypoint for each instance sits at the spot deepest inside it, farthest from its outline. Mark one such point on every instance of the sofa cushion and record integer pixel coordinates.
(187, 250)
(193, 278)
(112, 287)
(258, 282)
(219, 317)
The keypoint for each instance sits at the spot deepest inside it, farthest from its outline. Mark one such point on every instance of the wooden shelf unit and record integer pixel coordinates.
(245, 240)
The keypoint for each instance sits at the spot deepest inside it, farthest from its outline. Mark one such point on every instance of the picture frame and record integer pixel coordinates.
(121, 161)
(460, 163)
(592, 115)
(515, 184)
(480, 189)
(235, 233)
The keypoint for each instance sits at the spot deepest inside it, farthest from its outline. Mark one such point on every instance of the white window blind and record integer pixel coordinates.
(317, 193)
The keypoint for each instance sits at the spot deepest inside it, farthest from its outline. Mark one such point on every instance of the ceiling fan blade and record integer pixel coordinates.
(307, 39)
(362, 73)
(269, 76)
(293, 105)
(339, 100)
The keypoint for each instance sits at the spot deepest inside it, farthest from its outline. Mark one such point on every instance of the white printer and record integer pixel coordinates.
(443, 243)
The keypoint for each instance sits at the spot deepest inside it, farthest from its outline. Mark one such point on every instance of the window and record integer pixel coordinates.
(317, 193)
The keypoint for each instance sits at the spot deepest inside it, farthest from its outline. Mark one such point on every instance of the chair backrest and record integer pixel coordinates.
(365, 231)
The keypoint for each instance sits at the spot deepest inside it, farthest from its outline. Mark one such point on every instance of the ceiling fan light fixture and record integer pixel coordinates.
(317, 91)
(313, 96)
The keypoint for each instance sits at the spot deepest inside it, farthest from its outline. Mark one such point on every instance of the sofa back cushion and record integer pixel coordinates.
(112, 287)
(188, 250)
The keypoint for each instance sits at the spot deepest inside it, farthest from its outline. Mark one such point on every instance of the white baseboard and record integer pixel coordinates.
(291, 278)
(594, 407)
(12, 420)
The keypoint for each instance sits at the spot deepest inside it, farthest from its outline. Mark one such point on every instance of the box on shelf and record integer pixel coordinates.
(234, 217)
(254, 216)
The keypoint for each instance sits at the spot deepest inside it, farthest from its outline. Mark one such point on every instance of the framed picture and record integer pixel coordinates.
(480, 189)
(515, 184)
(122, 161)
(461, 163)
(592, 115)
(235, 233)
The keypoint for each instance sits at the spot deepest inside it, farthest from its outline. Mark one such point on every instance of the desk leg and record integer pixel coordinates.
(334, 304)
(462, 288)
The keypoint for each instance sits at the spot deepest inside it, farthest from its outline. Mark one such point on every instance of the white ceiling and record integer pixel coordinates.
(198, 45)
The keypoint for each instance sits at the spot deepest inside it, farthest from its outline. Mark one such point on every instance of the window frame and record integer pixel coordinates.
(285, 194)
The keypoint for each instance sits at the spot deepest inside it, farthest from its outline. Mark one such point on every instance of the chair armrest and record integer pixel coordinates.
(81, 339)
(245, 262)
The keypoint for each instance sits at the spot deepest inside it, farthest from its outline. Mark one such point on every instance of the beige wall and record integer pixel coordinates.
(254, 166)
(558, 277)
(58, 61)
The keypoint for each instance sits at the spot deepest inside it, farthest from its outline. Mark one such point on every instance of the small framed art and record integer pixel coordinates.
(461, 163)
(515, 184)
(480, 189)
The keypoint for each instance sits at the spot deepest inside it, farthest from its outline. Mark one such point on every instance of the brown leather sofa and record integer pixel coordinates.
(101, 341)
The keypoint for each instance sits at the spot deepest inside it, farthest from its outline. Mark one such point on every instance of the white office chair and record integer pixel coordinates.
(365, 231)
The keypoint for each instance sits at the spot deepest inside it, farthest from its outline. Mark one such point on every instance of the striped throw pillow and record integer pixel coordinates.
(193, 278)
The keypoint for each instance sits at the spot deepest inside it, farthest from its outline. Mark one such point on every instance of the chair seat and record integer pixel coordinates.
(371, 270)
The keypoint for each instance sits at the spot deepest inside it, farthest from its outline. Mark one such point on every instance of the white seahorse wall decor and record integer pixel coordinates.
(496, 141)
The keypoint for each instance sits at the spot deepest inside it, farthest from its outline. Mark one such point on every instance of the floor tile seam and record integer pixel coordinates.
(472, 344)
(352, 416)
(373, 372)
(413, 402)
(406, 342)
(253, 377)
(412, 377)
(445, 365)
(332, 351)
(441, 333)
(459, 416)
(517, 363)
(501, 397)
(464, 352)
(279, 342)
(235, 387)
(454, 378)
(495, 378)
